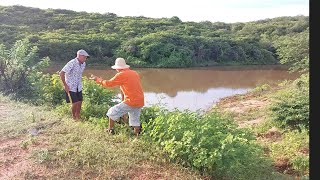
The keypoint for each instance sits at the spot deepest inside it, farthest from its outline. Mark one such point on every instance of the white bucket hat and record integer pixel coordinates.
(120, 63)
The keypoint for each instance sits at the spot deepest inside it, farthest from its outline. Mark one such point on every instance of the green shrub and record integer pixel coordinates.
(301, 164)
(54, 93)
(290, 106)
(96, 99)
(209, 143)
(292, 147)
(149, 113)
(49, 89)
(261, 88)
(17, 65)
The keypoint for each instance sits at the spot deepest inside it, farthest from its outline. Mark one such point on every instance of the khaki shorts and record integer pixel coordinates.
(121, 109)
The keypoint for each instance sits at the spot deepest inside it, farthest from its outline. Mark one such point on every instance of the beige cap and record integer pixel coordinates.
(82, 52)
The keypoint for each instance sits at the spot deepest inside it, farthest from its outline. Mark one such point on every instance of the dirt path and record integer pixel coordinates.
(243, 106)
(16, 153)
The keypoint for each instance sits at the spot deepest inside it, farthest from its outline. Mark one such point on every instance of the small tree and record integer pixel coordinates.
(291, 105)
(17, 64)
(293, 50)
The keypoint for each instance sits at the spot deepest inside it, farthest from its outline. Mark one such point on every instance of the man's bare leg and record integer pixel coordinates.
(110, 128)
(111, 123)
(78, 109)
(74, 111)
(137, 130)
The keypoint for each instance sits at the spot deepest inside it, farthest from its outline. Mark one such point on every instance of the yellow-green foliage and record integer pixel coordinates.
(261, 88)
(17, 65)
(290, 106)
(83, 150)
(293, 147)
(290, 110)
(210, 143)
(53, 91)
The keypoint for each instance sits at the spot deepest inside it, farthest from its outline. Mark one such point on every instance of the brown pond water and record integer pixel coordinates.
(196, 88)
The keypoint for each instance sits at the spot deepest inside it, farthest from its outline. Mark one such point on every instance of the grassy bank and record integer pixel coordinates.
(288, 148)
(54, 147)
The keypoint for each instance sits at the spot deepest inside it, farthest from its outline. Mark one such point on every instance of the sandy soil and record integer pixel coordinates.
(15, 154)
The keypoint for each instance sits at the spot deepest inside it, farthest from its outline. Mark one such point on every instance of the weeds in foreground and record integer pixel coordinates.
(83, 150)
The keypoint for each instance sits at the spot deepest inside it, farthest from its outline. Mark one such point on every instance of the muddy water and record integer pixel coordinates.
(197, 88)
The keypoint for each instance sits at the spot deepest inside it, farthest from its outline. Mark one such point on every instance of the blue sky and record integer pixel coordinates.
(228, 11)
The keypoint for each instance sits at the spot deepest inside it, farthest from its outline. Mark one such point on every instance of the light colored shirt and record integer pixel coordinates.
(73, 76)
(130, 85)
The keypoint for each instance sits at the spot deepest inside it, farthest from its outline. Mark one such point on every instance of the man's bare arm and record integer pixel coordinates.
(63, 79)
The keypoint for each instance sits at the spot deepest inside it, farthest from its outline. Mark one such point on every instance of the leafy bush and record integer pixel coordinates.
(290, 106)
(17, 65)
(96, 99)
(21, 75)
(149, 113)
(53, 91)
(97, 94)
(261, 88)
(47, 89)
(293, 50)
(210, 143)
(292, 147)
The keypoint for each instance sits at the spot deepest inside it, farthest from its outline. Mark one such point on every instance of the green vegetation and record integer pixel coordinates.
(293, 148)
(209, 145)
(294, 50)
(70, 150)
(291, 105)
(148, 42)
(17, 66)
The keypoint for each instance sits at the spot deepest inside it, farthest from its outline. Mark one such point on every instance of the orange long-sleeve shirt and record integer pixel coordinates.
(130, 85)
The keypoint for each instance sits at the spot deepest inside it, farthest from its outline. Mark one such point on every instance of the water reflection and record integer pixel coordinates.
(197, 88)
(191, 100)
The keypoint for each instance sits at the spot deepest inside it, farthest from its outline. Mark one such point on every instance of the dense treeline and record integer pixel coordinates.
(147, 42)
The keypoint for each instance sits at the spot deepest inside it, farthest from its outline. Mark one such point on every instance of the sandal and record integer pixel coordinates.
(110, 131)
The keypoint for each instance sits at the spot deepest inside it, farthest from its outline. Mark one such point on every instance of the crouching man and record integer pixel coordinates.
(133, 96)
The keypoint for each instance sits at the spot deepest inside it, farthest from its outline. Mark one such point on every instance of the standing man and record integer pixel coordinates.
(132, 93)
(71, 76)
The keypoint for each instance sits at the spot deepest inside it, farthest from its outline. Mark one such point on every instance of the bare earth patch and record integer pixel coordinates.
(241, 107)
(248, 103)
(145, 171)
(15, 159)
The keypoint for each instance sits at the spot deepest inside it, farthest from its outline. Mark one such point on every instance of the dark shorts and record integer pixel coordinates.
(75, 96)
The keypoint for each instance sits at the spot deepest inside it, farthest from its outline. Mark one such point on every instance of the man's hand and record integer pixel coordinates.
(62, 77)
(93, 77)
(66, 88)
